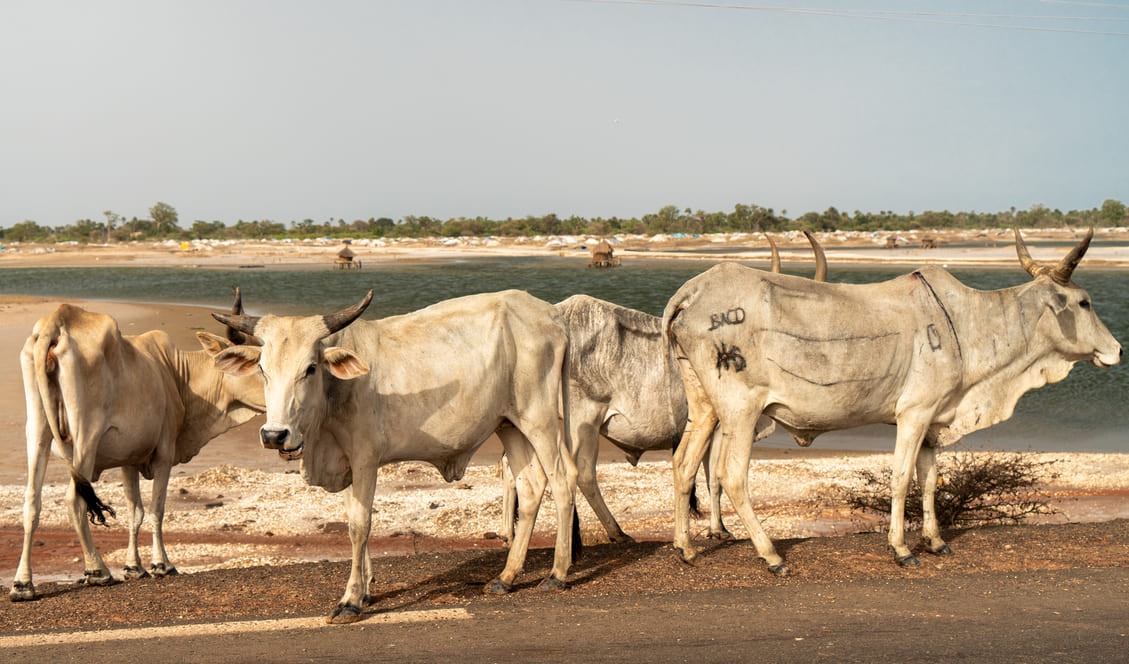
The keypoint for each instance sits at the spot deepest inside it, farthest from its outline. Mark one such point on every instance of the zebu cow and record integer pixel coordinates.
(924, 352)
(349, 397)
(623, 386)
(108, 400)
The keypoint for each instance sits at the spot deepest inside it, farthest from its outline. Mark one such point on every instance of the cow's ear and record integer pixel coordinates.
(239, 360)
(212, 344)
(344, 363)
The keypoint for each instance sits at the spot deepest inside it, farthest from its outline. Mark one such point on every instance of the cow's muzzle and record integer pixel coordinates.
(1107, 360)
(277, 439)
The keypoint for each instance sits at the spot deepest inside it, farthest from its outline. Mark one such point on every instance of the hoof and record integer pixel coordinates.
(943, 551)
(22, 592)
(909, 560)
(344, 614)
(722, 536)
(133, 572)
(693, 561)
(622, 538)
(96, 577)
(780, 570)
(552, 583)
(161, 570)
(497, 587)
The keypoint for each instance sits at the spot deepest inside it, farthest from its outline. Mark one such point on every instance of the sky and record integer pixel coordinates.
(249, 110)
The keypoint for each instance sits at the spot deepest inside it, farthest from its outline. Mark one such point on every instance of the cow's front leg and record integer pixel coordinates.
(927, 478)
(359, 507)
(161, 565)
(132, 485)
(910, 435)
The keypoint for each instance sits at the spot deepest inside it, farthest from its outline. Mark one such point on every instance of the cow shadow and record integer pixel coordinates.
(466, 580)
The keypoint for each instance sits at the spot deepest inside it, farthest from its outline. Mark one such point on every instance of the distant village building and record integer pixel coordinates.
(603, 256)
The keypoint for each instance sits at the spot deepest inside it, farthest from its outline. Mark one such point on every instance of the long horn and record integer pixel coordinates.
(820, 258)
(775, 266)
(1028, 263)
(337, 321)
(237, 321)
(1061, 272)
(233, 335)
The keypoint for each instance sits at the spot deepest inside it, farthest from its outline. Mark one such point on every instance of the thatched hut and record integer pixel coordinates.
(603, 256)
(346, 260)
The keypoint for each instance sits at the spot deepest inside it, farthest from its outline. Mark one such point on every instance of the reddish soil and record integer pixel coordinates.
(446, 573)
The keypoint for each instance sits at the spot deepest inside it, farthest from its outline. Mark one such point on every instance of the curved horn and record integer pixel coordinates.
(233, 335)
(1061, 272)
(820, 258)
(237, 306)
(242, 323)
(1028, 263)
(337, 321)
(775, 266)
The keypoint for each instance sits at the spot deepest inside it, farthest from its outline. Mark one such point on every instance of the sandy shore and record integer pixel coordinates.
(234, 486)
(957, 248)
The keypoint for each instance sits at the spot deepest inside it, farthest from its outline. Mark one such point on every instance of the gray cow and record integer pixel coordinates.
(923, 351)
(624, 384)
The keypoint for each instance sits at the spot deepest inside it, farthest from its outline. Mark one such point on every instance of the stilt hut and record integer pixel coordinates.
(346, 260)
(603, 256)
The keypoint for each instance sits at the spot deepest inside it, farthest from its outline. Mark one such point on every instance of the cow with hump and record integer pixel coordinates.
(348, 397)
(105, 401)
(922, 351)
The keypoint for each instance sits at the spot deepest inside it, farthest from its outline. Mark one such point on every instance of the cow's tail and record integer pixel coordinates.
(673, 308)
(46, 365)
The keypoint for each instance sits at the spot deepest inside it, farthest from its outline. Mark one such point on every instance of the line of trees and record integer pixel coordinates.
(163, 223)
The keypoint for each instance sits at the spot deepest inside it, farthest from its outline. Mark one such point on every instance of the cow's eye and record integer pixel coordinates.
(1085, 304)
(310, 370)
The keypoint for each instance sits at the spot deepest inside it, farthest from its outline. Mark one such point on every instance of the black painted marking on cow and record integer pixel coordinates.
(948, 318)
(729, 358)
(731, 317)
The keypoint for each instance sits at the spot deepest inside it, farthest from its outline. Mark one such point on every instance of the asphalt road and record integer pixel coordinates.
(1071, 615)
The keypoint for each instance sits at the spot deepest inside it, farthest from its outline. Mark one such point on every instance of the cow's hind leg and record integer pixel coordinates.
(530, 481)
(927, 478)
(733, 472)
(38, 451)
(95, 571)
(700, 422)
(718, 530)
(132, 484)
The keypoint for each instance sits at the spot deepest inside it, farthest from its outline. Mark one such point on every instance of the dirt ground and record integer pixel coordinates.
(452, 574)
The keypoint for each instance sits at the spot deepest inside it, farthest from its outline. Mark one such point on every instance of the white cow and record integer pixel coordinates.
(349, 397)
(924, 352)
(106, 401)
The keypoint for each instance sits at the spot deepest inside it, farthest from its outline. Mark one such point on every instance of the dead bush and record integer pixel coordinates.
(972, 489)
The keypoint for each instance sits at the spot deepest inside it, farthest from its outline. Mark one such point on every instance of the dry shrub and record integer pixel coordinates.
(973, 489)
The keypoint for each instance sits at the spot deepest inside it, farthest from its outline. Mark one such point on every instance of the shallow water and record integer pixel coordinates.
(1084, 413)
